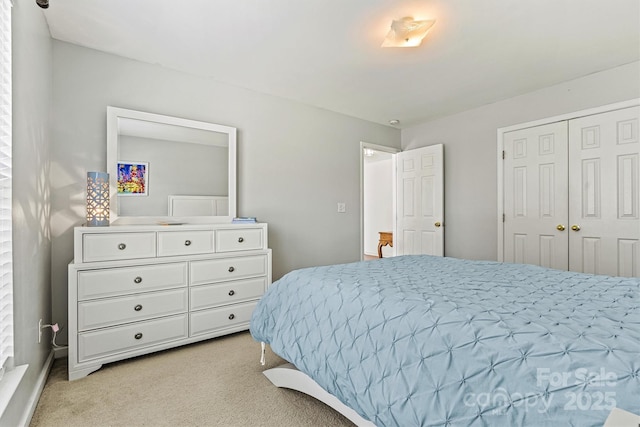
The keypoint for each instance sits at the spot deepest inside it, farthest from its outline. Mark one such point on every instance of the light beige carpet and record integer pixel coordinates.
(213, 383)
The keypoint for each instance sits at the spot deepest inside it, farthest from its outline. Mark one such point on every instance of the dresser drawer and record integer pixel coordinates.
(129, 280)
(110, 341)
(207, 321)
(114, 311)
(118, 246)
(207, 296)
(248, 239)
(216, 270)
(172, 243)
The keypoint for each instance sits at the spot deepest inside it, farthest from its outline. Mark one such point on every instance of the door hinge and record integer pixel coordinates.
(503, 154)
(504, 218)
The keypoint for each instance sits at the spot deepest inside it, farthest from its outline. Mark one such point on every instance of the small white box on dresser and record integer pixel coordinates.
(137, 289)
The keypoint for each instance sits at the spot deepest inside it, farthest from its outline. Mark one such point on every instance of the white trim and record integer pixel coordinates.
(60, 352)
(500, 197)
(573, 115)
(384, 149)
(10, 382)
(553, 119)
(7, 318)
(37, 391)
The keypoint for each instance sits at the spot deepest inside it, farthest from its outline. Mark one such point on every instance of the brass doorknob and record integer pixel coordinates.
(575, 227)
(560, 227)
(437, 224)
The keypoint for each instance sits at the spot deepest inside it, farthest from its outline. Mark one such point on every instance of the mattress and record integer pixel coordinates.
(422, 341)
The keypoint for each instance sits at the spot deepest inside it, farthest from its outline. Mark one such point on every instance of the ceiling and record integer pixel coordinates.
(326, 53)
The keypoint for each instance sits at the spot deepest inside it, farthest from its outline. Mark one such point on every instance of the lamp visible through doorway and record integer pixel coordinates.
(97, 199)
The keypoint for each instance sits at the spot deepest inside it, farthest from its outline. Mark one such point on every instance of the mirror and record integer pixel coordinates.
(169, 169)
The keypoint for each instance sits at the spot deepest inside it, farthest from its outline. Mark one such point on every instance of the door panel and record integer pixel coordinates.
(429, 242)
(535, 196)
(591, 255)
(628, 191)
(408, 203)
(428, 196)
(420, 184)
(547, 251)
(604, 170)
(628, 250)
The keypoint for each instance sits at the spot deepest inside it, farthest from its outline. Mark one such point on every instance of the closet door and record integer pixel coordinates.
(535, 196)
(604, 206)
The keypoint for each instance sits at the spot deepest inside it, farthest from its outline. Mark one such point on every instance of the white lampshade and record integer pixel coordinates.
(97, 199)
(406, 32)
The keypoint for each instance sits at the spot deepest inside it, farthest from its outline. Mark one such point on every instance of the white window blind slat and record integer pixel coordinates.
(6, 267)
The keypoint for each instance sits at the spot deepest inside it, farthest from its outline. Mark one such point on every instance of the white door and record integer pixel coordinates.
(420, 202)
(604, 207)
(535, 196)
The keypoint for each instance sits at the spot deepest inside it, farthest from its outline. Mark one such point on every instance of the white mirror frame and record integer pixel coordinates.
(113, 114)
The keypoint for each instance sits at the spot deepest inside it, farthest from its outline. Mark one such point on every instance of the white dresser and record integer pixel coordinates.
(138, 289)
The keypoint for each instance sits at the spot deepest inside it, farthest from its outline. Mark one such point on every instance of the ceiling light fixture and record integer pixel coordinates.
(407, 32)
(43, 3)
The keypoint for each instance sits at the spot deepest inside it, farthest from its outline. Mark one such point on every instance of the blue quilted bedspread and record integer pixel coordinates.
(422, 341)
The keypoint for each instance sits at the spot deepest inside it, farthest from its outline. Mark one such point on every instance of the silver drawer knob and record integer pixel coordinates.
(231, 269)
(232, 293)
(138, 279)
(137, 307)
(240, 239)
(187, 242)
(138, 335)
(122, 246)
(232, 316)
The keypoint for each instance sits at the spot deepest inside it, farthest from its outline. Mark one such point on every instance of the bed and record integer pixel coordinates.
(421, 340)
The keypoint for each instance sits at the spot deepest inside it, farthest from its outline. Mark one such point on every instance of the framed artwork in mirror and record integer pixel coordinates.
(133, 178)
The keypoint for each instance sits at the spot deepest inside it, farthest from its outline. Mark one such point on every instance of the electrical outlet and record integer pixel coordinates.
(342, 207)
(39, 331)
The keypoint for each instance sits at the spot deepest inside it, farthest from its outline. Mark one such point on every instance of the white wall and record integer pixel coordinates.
(470, 148)
(32, 58)
(378, 202)
(294, 162)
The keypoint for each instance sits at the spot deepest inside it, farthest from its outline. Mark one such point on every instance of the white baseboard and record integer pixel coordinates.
(60, 352)
(37, 390)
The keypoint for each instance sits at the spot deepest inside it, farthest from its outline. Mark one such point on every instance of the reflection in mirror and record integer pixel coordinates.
(169, 168)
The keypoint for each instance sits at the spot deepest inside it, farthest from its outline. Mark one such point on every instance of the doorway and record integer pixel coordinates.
(377, 193)
(401, 196)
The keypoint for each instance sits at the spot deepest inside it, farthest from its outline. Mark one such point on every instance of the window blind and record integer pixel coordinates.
(6, 270)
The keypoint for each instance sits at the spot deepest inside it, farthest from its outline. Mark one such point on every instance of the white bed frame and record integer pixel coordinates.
(288, 376)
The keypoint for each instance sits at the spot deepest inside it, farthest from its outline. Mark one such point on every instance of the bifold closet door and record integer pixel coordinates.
(604, 205)
(535, 196)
